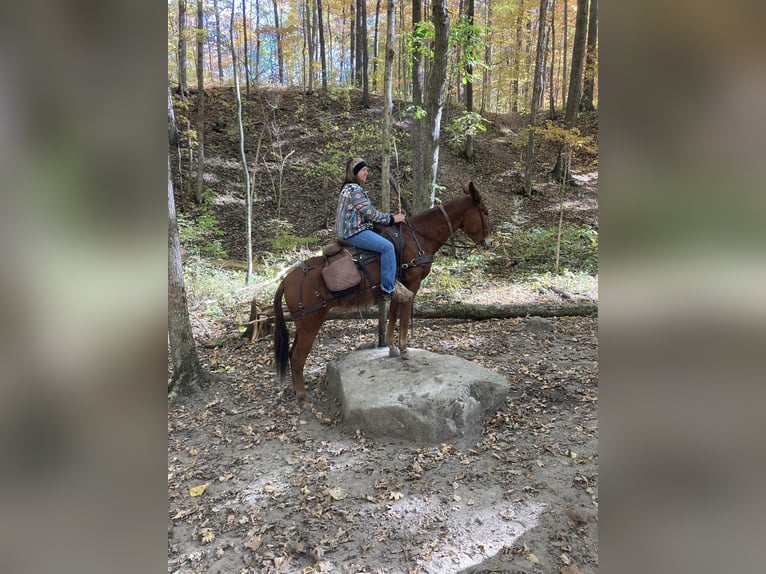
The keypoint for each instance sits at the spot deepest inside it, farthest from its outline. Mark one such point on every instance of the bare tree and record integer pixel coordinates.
(248, 193)
(188, 374)
(537, 88)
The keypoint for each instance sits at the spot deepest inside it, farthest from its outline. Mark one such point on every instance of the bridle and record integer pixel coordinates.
(427, 258)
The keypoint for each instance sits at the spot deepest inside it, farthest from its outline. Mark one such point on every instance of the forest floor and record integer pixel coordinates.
(258, 483)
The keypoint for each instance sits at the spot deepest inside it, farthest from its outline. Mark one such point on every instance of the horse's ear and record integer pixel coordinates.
(465, 188)
(473, 191)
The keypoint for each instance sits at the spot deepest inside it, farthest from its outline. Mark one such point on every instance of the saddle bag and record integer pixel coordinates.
(341, 273)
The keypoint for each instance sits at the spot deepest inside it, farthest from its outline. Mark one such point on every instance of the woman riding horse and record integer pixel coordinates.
(309, 300)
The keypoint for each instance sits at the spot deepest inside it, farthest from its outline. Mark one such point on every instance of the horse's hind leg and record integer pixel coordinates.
(306, 329)
(393, 313)
(404, 325)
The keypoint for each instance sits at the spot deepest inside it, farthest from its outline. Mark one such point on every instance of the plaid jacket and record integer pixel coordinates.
(356, 213)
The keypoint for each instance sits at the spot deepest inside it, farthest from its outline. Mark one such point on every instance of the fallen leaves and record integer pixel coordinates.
(284, 483)
(199, 490)
(337, 493)
(255, 542)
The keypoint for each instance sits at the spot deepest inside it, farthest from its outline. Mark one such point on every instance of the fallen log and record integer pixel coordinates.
(262, 319)
(473, 311)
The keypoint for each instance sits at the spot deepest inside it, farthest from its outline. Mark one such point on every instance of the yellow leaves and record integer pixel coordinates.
(532, 558)
(199, 490)
(395, 495)
(207, 535)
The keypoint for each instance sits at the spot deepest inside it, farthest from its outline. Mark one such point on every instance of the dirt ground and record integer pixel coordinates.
(290, 490)
(259, 484)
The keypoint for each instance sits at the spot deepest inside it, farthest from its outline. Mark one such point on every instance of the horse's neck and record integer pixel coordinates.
(432, 220)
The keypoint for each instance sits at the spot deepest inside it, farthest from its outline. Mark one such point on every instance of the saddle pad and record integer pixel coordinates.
(341, 274)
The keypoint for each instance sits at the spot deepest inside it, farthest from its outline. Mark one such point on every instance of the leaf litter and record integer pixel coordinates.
(288, 489)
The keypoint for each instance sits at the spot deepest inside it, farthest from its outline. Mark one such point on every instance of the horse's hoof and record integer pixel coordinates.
(405, 354)
(393, 352)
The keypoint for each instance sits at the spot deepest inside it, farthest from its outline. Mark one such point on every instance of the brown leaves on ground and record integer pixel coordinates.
(286, 488)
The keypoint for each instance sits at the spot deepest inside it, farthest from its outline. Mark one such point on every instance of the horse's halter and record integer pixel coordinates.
(484, 227)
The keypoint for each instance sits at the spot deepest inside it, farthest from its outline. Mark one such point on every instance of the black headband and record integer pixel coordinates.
(358, 167)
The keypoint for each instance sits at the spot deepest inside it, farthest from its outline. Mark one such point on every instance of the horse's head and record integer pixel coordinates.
(476, 219)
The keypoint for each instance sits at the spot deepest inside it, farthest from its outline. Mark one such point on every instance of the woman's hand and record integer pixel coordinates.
(399, 218)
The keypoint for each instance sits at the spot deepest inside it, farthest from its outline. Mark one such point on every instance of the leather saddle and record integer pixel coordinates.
(346, 265)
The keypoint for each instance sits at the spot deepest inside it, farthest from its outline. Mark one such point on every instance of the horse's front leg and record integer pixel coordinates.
(404, 323)
(393, 313)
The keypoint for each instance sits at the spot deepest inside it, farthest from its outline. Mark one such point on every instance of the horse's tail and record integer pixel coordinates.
(281, 336)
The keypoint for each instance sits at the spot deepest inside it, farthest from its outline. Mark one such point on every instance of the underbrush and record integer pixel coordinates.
(525, 251)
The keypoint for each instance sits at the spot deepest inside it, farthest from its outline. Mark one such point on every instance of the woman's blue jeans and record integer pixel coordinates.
(371, 241)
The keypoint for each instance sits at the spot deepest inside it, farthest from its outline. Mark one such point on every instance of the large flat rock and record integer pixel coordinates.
(428, 399)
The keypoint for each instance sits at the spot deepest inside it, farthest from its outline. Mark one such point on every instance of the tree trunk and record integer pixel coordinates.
(244, 38)
(200, 103)
(419, 124)
(352, 37)
(478, 312)
(183, 87)
(564, 76)
(172, 127)
(591, 59)
(375, 48)
(560, 171)
(365, 53)
(248, 195)
(218, 42)
(257, 71)
(515, 96)
(188, 375)
(486, 89)
(262, 318)
(322, 52)
(470, 11)
(551, 91)
(537, 88)
(434, 100)
(388, 76)
(280, 53)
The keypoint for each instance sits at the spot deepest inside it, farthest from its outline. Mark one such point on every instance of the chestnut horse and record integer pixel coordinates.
(309, 300)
